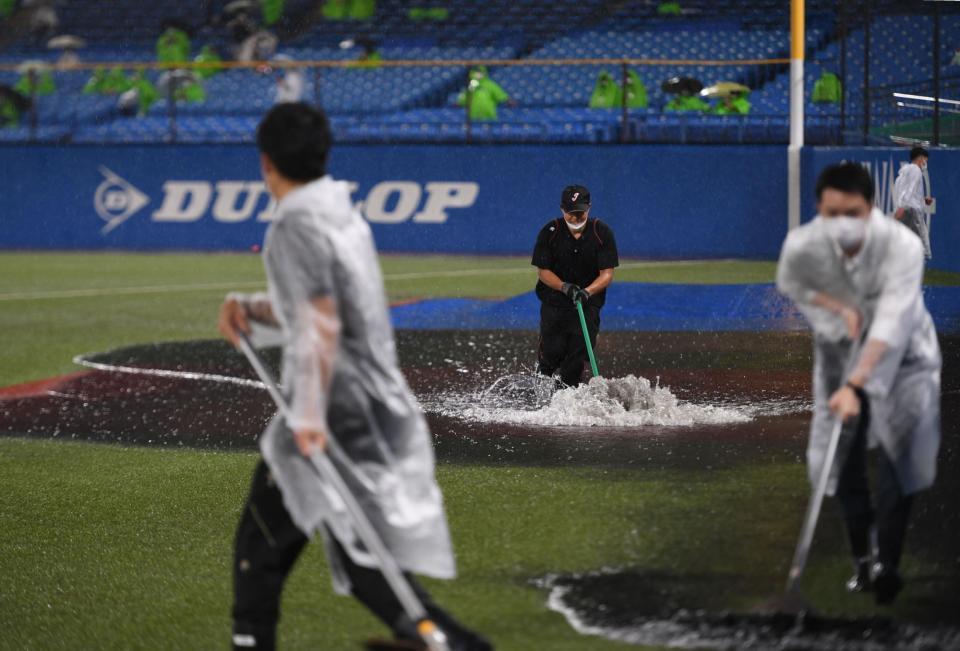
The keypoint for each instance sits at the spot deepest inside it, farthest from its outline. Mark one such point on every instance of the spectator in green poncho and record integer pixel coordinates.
(173, 46)
(733, 104)
(636, 91)
(208, 54)
(484, 95)
(827, 89)
(606, 93)
(669, 9)
(349, 9)
(140, 95)
(12, 106)
(9, 115)
(272, 10)
(41, 84)
(686, 103)
(102, 82)
(428, 13)
(186, 86)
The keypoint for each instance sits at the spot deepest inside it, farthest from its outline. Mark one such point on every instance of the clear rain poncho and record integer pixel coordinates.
(884, 282)
(320, 248)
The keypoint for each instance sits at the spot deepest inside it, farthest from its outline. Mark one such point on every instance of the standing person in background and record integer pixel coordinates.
(575, 257)
(909, 198)
(857, 276)
(606, 94)
(484, 95)
(635, 91)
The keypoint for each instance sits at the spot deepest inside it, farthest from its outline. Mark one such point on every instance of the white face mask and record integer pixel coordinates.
(576, 228)
(848, 232)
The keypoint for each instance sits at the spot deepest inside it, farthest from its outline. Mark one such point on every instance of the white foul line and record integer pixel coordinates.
(198, 287)
(81, 360)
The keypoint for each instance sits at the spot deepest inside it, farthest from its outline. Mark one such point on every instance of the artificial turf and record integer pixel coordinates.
(125, 548)
(56, 305)
(111, 547)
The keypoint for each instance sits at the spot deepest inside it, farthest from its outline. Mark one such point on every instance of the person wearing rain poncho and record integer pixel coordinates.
(636, 91)
(173, 46)
(606, 93)
(484, 95)
(827, 89)
(686, 102)
(857, 275)
(344, 385)
(910, 199)
(733, 104)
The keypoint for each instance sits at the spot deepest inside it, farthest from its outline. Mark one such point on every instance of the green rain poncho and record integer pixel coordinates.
(686, 103)
(349, 9)
(363, 9)
(147, 94)
(827, 90)
(102, 82)
(733, 105)
(485, 95)
(9, 115)
(606, 93)
(636, 91)
(428, 13)
(43, 79)
(207, 55)
(173, 46)
(669, 9)
(271, 10)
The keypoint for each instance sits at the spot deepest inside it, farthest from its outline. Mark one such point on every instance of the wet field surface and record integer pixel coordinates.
(729, 400)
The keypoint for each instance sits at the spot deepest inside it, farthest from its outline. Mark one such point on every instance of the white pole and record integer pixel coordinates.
(796, 112)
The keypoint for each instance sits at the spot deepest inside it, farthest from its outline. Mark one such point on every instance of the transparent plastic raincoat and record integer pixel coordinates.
(319, 247)
(884, 282)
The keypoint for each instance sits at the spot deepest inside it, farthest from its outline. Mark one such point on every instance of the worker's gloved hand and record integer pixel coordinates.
(582, 296)
(570, 290)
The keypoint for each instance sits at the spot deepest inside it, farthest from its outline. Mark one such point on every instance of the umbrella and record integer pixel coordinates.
(33, 65)
(66, 42)
(240, 5)
(724, 89)
(682, 86)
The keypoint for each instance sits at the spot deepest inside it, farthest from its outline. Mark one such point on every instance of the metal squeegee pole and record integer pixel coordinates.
(802, 552)
(412, 605)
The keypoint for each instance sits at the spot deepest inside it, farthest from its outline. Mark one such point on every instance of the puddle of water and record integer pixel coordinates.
(598, 604)
(623, 402)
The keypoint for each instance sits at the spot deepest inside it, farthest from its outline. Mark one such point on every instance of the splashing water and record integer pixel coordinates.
(527, 399)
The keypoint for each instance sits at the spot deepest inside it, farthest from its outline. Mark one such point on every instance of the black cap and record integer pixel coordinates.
(575, 198)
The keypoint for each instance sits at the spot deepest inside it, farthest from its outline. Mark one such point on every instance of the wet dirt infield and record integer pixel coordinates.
(202, 394)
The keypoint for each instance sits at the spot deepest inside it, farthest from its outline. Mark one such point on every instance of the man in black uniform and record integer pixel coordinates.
(575, 257)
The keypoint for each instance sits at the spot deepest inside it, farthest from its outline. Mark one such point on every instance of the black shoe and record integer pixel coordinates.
(887, 583)
(861, 581)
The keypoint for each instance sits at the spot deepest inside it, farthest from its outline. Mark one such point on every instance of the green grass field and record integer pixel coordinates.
(110, 547)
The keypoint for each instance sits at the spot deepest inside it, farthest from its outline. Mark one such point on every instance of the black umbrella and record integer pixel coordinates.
(20, 101)
(682, 86)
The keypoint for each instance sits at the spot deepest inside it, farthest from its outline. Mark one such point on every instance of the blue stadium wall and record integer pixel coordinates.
(662, 201)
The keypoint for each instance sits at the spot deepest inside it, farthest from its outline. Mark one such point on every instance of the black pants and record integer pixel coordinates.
(267, 546)
(562, 348)
(892, 509)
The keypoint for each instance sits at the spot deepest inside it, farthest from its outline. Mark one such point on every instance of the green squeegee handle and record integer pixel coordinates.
(586, 339)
